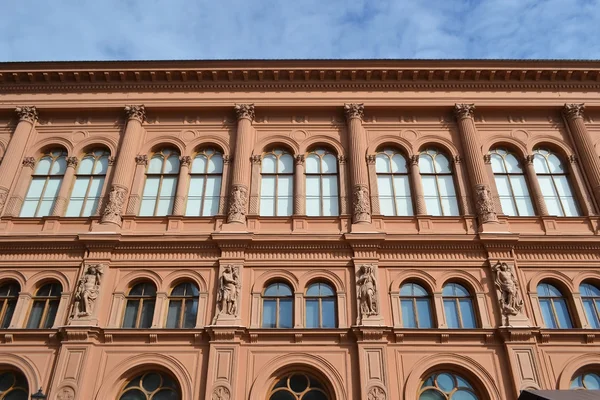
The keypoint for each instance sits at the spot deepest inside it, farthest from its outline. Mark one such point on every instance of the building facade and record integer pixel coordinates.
(299, 230)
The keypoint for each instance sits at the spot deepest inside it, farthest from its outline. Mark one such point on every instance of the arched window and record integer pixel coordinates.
(446, 386)
(13, 386)
(44, 306)
(298, 386)
(415, 305)
(161, 183)
(277, 183)
(87, 189)
(320, 306)
(139, 310)
(438, 183)
(586, 381)
(9, 294)
(511, 184)
(183, 306)
(554, 307)
(393, 183)
(554, 182)
(45, 183)
(278, 306)
(322, 198)
(590, 295)
(458, 307)
(205, 184)
(151, 386)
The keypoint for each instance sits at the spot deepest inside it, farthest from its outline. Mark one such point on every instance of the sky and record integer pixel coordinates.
(47, 30)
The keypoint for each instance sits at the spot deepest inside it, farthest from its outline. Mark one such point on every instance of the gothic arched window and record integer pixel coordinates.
(277, 183)
(206, 176)
(554, 183)
(393, 183)
(446, 386)
(438, 183)
(89, 181)
(322, 196)
(161, 183)
(151, 386)
(183, 306)
(511, 183)
(45, 184)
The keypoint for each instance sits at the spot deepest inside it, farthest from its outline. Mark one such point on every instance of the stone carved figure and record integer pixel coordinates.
(485, 205)
(116, 200)
(362, 205)
(510, 299)
(366, 289)
(228, 292)
(376, 393)
(237, 204)
(221, 393)
(88, 289)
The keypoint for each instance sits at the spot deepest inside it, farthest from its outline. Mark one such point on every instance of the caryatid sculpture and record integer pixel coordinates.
(509, 295)
(228, 292)
(88, 289)
(366, 290)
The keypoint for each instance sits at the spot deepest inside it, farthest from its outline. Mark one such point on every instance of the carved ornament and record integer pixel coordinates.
(342, 159)
(72, 162)
(507, 285)
(116, 200)
(111, 160)
(484, 204)
(414, 160)
(185, 161)
(361, 204)
(136, 112)
(487, 159)
(529, 159)
(27, 113)
(464, 110)
(238, 201)
(376, 393)
(88, 290)
(572, 158)
(141, 159)
(66, 393)
(3, 197)
(228, 294)
(29, 162)
(256, 159)
(366, 290)
(573, 111)
(354, 110)
(221, 393)
(457, 159)
(244, 111)
(371, 159)
(227, 159)
(300, 159)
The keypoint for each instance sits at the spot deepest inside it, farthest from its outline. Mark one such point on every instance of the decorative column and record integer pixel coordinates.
(103, 199)
(227, 159)
(124, 165)
(372, 171)
(238, 198)
(15, 149)
(361, 205)
(16, 200)
(137, 187)
(183, 185)
(487, 159)
(299, 187)
(417, 186)
(65, 188)
(534, 185)
(254, 206)
(573, 114)
(481, 192)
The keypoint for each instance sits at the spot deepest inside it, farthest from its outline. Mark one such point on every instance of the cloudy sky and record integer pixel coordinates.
(225, 29)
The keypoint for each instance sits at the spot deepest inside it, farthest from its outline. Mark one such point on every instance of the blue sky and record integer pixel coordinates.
(176, 29)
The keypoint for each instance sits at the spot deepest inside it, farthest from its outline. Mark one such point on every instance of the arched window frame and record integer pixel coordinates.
(9, 295)
(393, 183)
(281, 303)
(184, 304)
(511, 182)
(319, 203)
(556, 186)
(45, 305)
(445, 384)
(590, 296)
(206, 178)
(142, 306)
(298, 385)
(588, 379)
(146, 385)
(321, 301)
(439, 186)
(160, 186)
(421, 320)
(277, 185)
(460, 300)
(89, 182)
(554, 306)
(45, 184)
(19, 388)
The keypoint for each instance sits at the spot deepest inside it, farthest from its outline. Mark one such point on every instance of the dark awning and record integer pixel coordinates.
(560, 395)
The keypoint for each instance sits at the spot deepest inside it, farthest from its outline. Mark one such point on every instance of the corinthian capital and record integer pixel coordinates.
(572, 111)
(72, 162)
(464, 110)
(354, 110)
(136, 112)
(27, 113)
(244, 111)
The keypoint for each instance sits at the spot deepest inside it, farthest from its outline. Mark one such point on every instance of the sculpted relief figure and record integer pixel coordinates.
(228, 294)
(237, 204)
(511, 302)
(485, 206)
(366, 289)
(362, 208)
(88, 289)
(114, 207)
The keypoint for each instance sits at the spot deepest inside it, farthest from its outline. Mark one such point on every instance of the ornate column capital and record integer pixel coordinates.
(256, 159)
(141, 159)
(573, 110)
(528, 160)
(371, 159)
(29, 162)
(457, 159)
(414, 159)
(300, 159)
(72, 162)
(185, 161)
(487, 158)
(342, 159)
(244, 111)
(27, 113)
(136, 112)
(354, 110)
(464, 110)
(227, 159)
(111, 160)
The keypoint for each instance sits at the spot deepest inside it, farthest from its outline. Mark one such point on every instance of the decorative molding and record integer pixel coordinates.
(342, 159)
(238, 204)
(141, 159)
(371, 159)
(227, 159)
(111, 160)
(114, 207)
(244, 111)
(72, 162)
(361, 204)
(464, 110)
(376, 393)
(354, 110)
(572, 111)
(256, 159)
(29, 162)
(221, 393)
(136, 112)
(484, 204)
(300, 158)
(185, 161)
(27, 113)
(487, 158)
(457, 159)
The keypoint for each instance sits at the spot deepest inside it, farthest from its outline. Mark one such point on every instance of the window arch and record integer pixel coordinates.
(590, 294)
(9, 294)
(320, 306)
(458, 307)
(45, 184)
(139, 309)
(447, 385)
(415, 305)
(44, 306)
(151, 385)
(278, 306)
(322, 196)
(298, 386)
(206, 176)
(183, 306)
(555, 311)
(589, 380)
(438, 183)
(161, 183)
(13, 386)
(554, 183)
(91, 174)
(511, 183)
(393, 183)
(277, 183)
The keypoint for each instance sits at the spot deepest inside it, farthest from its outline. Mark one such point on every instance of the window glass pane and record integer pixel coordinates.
(269, 164)
(199, 164)
(85, 166)
(45, 208)
(467, 313)
(174, 314)
(404, 206)
(36, 187)
(284, 206)
(587, 289)
(285, 313)
(424, 313)
(215, 164)
(285, 185)
(172, 165)
(151, 186)
(50, 314)
(213, 186)
(562, 313)
(147, 207)
(313, 186)
(591, 381)
(418, 290)
(429, 186)
(451, 314)
(330, 186)
(553, 206)
(328, 313)
(555, 164)
(101, 166)
(546, 185)
(155, 165)
(433, 206)
(312, 313)
(196, 187)
(35, 317)
(426, 164)
(10, 310)
(590, 313)
(147, 314)
(519, 185)
(402, 186)
(570, 207)
(313, 207)
(28, 208)
(169, 185)
(269, 313)
(562, 186)
(43, 166)
(330, 206)
(384, 184)
(267, 206)
(450, 206)
(286, 164)
(329, 164)
(131, 313)
(512, 164)
(547, 314)
(52, 187)
(508, 206)
(525, 207)
(59, 167)
(399, 164)
(503, 185)
(191, 313)
(446, 185)
(408, 314)
(497, 163)
(382, 163)
(74, 208)
(539, 164)
(441, 163)
(312, 164)
(165, 206)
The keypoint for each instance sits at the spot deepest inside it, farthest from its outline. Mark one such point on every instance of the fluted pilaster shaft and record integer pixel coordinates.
(241, 174)
(359, 176)
(15, 150)
(124, 167)
(481, 192)
(573, 114)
